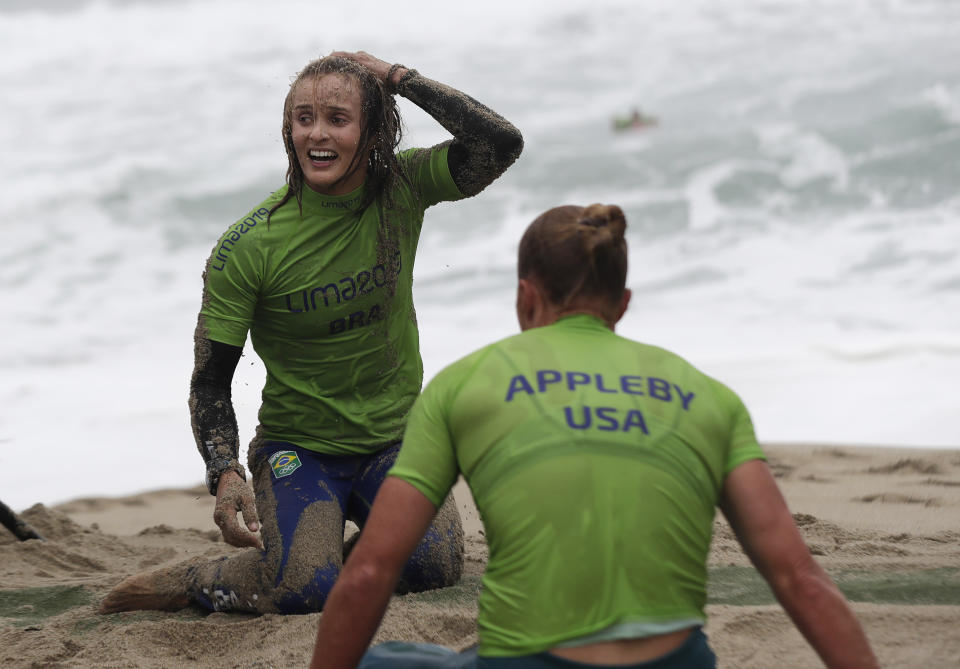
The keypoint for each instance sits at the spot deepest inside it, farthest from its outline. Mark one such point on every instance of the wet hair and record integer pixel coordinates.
(577, 255)
(379, 129)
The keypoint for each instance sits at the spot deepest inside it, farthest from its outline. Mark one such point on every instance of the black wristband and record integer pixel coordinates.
(406, 75)
(216, 469)
(388, 80)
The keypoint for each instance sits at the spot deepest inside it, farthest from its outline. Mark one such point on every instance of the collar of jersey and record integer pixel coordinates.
(582, 321)
(315, 201)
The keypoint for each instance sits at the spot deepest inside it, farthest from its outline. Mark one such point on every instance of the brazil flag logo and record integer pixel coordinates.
(284, 463)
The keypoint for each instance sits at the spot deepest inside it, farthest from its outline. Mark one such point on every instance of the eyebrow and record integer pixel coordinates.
(310, 107)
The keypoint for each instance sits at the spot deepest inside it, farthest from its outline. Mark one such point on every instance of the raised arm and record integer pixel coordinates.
(484, 143)
(759, 516)
(215, 431)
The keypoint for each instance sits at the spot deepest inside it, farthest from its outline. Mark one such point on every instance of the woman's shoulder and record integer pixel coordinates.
(417, 157)
(426, 171)
(244, 236)
(258, 215)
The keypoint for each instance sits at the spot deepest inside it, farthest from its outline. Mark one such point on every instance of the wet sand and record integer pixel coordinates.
(884, 522)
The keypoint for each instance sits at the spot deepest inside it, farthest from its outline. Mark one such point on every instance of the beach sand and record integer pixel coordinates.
(884, 522)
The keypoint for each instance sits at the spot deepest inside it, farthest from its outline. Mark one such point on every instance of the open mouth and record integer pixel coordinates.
(322, 156)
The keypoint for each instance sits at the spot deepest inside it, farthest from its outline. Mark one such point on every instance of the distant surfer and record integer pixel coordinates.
(637, 120)
(320, 275)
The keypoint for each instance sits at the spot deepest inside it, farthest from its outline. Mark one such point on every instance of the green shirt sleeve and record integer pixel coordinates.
(427, 459)
(429, 173)
(743, 440)
(232, 281)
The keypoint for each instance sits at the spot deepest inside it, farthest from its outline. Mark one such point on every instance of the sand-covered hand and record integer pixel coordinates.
(235, 495)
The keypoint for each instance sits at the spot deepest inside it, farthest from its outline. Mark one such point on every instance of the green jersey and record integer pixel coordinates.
(326, 295)
(596, 463)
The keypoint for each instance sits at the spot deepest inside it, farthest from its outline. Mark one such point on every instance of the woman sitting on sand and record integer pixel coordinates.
(596, 463)
(320, 274)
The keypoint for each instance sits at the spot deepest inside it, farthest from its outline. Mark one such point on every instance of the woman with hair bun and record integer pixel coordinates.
(597, 464)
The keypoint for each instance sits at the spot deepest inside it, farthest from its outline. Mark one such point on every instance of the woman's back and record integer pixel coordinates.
(596, 463)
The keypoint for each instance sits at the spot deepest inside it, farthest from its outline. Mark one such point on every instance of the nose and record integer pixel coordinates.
(318, 131)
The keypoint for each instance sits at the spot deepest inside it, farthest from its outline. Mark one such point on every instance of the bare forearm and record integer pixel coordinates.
(350, 617)
(759, 516)
(821, 613)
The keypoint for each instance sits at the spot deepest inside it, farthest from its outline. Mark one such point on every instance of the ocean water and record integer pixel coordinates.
(794, 217)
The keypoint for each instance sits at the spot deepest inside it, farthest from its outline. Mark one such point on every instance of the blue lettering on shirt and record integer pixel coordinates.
(518, 383)
(233, 236)
(609, 419)
(344, 290)
(552, 380)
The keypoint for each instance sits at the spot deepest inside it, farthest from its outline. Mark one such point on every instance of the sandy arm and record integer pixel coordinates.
(484, 143)
(211, 407)
(215, 431)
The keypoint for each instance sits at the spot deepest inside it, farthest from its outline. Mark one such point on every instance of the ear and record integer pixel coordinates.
(528, 301)
(624, 303)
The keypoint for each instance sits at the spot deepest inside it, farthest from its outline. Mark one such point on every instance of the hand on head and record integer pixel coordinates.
(379, 67)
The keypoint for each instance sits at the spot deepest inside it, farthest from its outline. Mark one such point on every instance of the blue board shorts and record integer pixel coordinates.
(300, 490)
(693, 653)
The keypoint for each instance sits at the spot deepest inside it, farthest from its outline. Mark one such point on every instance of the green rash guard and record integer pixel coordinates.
(596, 463)
(327, 299)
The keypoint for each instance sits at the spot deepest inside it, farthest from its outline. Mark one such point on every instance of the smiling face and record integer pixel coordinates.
(326, 128)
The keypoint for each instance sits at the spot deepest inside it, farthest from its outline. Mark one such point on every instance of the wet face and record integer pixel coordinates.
(326, 118)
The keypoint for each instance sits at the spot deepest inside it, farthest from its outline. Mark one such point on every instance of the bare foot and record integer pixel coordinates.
(155, 590)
